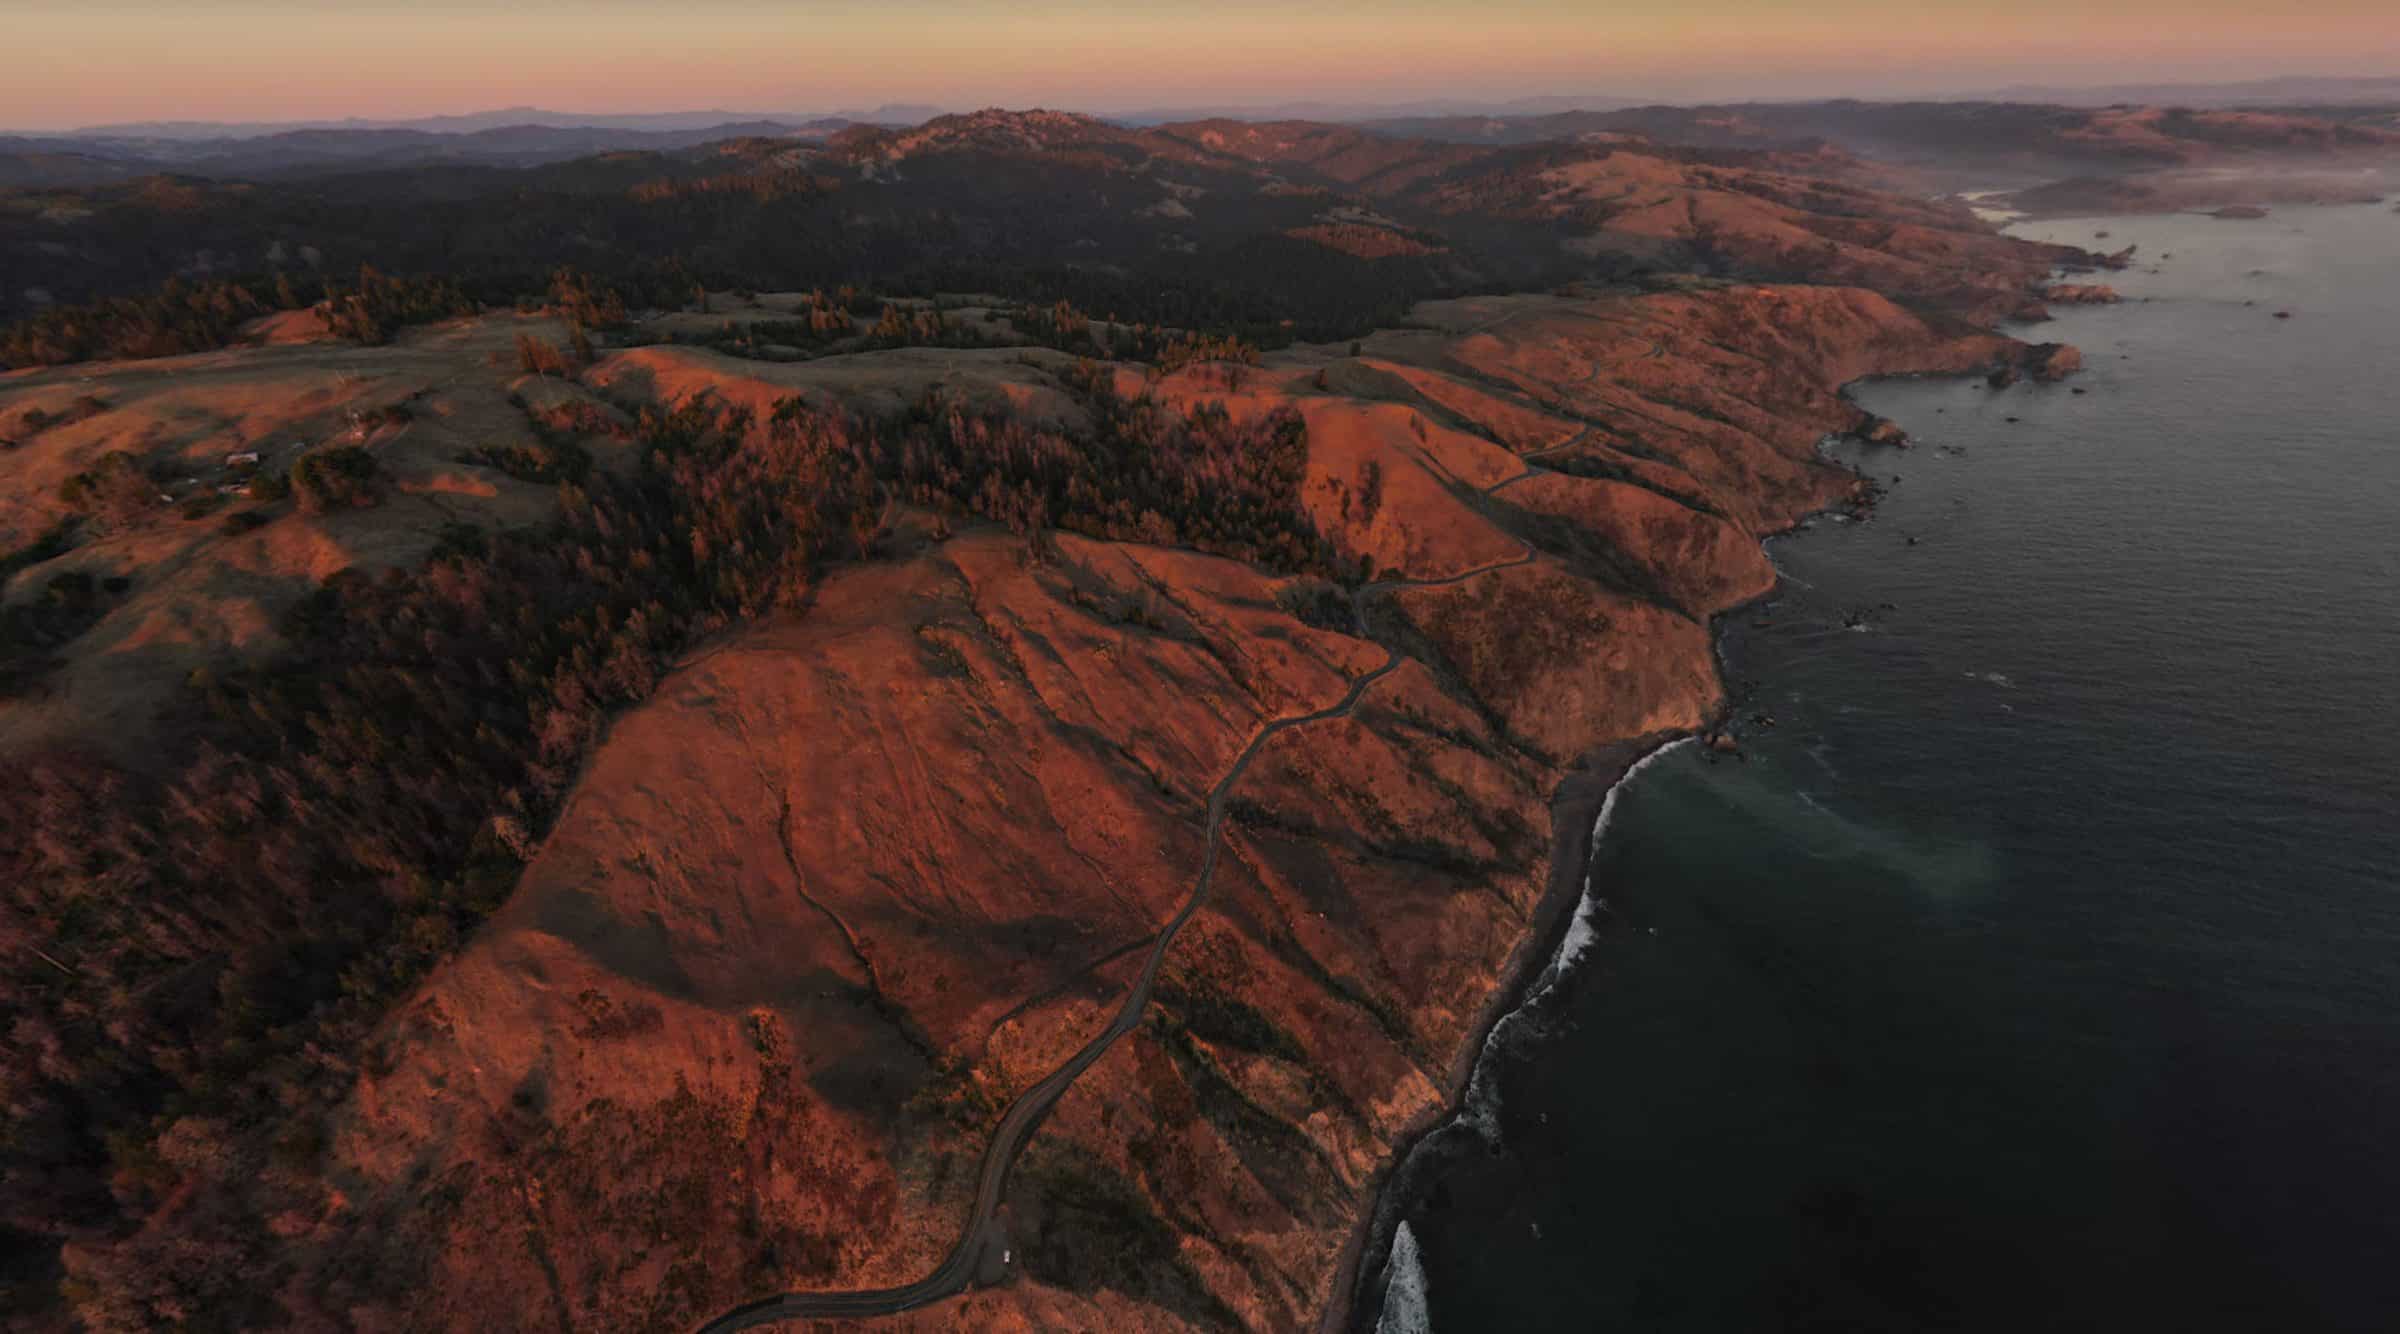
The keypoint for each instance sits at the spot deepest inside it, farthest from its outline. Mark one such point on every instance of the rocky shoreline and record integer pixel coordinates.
(1360, 1281)
(1559, 495)
(853, 884)
(1448, 1136)
(2246, 192)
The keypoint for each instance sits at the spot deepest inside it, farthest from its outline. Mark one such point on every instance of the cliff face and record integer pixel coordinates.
(851, 882)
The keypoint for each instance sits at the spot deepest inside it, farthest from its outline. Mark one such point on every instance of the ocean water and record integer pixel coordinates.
(2038, 966)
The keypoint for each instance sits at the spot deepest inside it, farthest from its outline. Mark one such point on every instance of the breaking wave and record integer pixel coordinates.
(1404, 1308)
(1479, 1107)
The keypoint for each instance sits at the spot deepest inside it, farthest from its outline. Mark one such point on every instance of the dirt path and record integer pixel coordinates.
(982, 1253)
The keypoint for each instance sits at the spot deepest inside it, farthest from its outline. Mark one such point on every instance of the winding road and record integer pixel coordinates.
(982, 1252)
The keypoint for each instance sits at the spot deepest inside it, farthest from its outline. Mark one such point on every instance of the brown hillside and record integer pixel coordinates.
(852, 881)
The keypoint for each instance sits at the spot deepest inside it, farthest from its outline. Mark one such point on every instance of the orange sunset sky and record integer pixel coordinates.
(120, 60)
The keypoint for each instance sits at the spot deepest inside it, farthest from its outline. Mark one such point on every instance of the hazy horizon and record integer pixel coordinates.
(259, 61)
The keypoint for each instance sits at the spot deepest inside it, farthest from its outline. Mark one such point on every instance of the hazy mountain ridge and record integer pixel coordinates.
(1303, 222)
(2293, 90)
(2281, 91)
(1960, 135)
(287, 152)
(1957, 134)
(501, 118)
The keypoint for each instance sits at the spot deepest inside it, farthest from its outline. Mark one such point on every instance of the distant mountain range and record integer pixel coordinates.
(2293, 90)
(2035, 129)
(504, 118)
(2288, 90)
(93, 159)
(1356, 112)
(894, 113)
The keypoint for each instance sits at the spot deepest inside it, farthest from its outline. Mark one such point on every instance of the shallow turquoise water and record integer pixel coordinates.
(2040, 965)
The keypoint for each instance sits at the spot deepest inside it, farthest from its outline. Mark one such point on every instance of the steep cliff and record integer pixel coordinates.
(853, 881)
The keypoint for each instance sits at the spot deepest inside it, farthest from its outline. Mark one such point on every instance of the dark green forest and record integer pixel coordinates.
(170, 265)
(331, 824)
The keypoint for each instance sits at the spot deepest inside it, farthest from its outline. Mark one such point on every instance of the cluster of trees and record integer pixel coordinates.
(183, 317)
(117, 490)
(341, 478)
(852, 320)
(184, 988)
(826, 325)
(68, 605)
(757, 186)
(179, 317)
(1186, 349)
(50, 542)
(34, 421)
(823, 326)
(921, 326)
(380, 306)
(1144, 472)
(584, 300)
(1365, 240)
(540, 356)
(1061, 325)
(555, 456)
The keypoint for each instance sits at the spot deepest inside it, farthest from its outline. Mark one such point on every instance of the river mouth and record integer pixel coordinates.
(2032, 967)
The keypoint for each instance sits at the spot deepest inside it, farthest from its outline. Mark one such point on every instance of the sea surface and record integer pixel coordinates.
(2038, 965)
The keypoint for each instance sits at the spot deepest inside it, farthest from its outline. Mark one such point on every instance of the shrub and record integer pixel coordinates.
(540, 356)
(70, 603)
(53, 541)
(117, 489)
(335, 479)
(549, 460)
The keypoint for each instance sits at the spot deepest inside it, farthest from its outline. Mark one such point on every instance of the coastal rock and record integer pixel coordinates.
(2053, 361)
(1874, 430)
(2081, 294)
(2238, 212)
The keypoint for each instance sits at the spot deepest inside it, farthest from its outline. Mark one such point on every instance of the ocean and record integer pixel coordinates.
(2037, 965)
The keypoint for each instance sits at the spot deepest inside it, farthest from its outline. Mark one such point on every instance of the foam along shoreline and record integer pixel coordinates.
(1371, 1273)
(1479, 1106)
(1581, 812)
(1404, 1309)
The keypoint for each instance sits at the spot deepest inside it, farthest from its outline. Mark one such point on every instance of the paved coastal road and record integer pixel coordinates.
(981, 1252)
